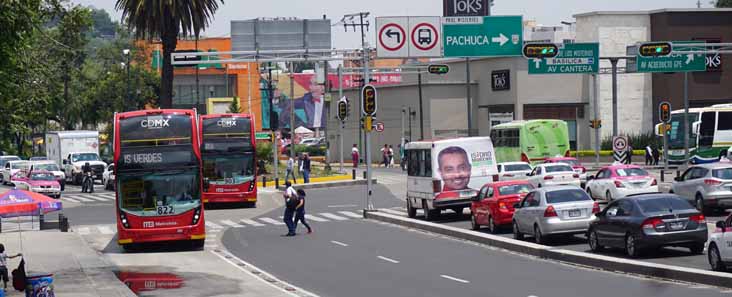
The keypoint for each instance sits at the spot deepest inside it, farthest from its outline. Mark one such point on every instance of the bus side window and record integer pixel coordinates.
(422, 162)
(413, 167)
(427, 163)
(706, 130)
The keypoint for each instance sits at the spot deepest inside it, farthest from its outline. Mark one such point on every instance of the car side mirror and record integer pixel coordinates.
(678, 178)
(721, 225)
(475, 198)
(65, 162)
(517, 205)
(528, 174)
(589, 178)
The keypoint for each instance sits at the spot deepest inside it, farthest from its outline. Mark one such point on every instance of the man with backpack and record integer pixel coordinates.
(300, 211)
(291, 203)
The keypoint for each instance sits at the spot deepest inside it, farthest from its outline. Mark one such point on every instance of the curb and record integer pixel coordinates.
(613, 264)
(330, 184)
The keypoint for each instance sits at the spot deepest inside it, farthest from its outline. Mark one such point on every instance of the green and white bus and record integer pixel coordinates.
(710, 136)
(530, 141)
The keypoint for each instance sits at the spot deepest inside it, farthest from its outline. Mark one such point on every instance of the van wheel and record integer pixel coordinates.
(429, 215)
(411, 211)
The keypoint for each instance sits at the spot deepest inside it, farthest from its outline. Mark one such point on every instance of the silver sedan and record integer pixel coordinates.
(708, 186)
(553, 211)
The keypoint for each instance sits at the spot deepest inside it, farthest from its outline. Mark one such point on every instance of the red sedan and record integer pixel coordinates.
(493, 207)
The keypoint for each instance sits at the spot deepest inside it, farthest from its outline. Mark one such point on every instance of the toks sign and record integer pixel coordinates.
(465, 8)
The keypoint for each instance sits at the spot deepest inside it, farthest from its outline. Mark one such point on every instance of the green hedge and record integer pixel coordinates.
(605, 153)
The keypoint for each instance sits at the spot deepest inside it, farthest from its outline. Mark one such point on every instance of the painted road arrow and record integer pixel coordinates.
(390, 34)
(502, 39)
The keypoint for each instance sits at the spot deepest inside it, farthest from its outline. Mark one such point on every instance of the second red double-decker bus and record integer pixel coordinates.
(158, 175)
(229, 158)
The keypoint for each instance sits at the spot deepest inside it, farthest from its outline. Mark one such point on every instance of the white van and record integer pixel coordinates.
(447, 174)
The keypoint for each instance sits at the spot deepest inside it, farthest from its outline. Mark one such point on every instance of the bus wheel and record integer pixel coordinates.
(130, 248)
(411, 211)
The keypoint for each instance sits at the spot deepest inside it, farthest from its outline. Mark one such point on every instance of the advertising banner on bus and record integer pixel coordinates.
(464, 164)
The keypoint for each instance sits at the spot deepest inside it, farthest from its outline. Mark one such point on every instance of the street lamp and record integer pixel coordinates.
(126, 52)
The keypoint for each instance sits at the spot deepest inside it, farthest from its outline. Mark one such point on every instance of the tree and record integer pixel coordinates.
(164, 19)
(234, 107)
(723, 3)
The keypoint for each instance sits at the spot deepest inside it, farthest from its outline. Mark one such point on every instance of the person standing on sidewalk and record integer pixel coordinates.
(391, 156)
(299, 163)
(385, 156)
(291, 202)
(354, 156)
(300, 211)
(4, 265)
(306, 168)
(290, 170)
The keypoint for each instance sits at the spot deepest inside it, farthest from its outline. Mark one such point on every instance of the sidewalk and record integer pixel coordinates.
(78, 270)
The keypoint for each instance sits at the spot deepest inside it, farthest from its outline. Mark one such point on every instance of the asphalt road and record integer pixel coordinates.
(359, 257)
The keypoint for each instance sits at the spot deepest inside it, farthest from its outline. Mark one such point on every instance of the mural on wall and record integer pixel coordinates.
(310, 107)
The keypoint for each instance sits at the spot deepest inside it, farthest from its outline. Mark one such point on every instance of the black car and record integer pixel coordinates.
(648, 221)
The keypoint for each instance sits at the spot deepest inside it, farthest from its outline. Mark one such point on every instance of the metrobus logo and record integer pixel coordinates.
(148, 224)
(226, 123)
(155, 122)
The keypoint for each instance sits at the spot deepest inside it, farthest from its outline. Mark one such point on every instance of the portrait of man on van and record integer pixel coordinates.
(454, 167)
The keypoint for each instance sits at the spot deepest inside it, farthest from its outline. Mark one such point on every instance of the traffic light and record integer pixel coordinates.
(655, 49)
(595, 124)
(664, 112)
(342, 110)
(438, 69)
(367, 123)
(540, 50)
(369, 100)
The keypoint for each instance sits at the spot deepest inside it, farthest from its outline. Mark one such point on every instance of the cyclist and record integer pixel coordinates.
(87, 173)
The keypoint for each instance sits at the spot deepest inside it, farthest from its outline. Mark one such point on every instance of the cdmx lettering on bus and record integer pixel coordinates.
(155, 123)
(226, 123)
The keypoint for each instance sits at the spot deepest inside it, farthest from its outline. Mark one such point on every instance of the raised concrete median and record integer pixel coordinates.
(669, 272)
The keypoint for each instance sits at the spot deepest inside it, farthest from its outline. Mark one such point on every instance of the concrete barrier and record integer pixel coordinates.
(321, 185)
(608, 263)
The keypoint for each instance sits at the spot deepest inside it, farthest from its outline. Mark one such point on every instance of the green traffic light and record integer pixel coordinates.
(544, 51)
(658, 49)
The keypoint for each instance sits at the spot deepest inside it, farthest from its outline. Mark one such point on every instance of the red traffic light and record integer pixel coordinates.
(664, 112)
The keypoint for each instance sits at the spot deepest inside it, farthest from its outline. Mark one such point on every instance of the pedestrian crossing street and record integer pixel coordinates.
(101, 197)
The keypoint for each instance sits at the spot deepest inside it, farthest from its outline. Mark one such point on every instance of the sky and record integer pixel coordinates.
(544, 12)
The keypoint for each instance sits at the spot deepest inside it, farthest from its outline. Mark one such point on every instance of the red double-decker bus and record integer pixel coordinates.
(229, 159)
(158, 174)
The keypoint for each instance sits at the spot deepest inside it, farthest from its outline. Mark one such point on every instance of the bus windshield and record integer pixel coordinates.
(676, 135)
(228, 169)
(143, 193)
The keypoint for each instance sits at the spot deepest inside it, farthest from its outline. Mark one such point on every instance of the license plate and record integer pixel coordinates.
(575, 213)
(676, 225)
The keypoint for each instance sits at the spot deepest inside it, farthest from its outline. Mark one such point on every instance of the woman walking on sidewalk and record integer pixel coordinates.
(300, 211)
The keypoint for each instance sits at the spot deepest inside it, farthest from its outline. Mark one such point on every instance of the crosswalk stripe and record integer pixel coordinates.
(252, 222)
(271, 221)
(231, 223)
(83, 230)
(314, 218)
(332, 216)
(82, 198)
(394, 212)
(351, 214)
(70, 200)
(97, 198)
(105, 230)
(213, 225)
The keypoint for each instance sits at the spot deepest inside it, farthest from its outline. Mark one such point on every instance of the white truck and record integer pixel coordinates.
(73, 149)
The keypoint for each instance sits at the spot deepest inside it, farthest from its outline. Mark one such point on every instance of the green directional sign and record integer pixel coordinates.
(572, 58)
(673, 62)
(490, 36)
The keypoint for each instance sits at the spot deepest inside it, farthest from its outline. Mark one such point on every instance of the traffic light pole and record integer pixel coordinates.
(595, 108)
(686, 117)
(342, 123)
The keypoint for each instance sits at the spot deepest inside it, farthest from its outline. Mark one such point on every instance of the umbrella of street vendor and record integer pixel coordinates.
(16, 203)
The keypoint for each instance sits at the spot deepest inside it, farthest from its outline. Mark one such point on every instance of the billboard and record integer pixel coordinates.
(280, 34)
(463, 165)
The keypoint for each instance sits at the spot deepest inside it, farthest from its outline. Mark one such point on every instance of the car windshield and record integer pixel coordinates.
(569, 162)
(631, 172)
(518, 167)
(38, 158)
(47, 167)
(85, 157)
(558, 168)
(569, 195)
(22, 165)
(42, 176)
(228, 169)
(664, 204)
(725, 173)
(514, 189)
(143, 193)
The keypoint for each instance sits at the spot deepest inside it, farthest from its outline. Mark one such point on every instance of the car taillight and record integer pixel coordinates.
(549, 212)
(619, 184)
(575, 175)
(712, 182)
(196, 216)
(653, 223)
(548, 177)
(595, 208)
(123, 219)
(654, 182)
(525, 158)
(436, 186)
(699, 218)
(502, 205)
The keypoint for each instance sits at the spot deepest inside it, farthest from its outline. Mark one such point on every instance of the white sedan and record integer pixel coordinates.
(513, 171)
(619, 181)
(719, 250)
(553, 174)
(108, 178)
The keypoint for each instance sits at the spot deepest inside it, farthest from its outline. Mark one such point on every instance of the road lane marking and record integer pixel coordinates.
(338, 243)
(70, 200)
(351, 214)
(342, 205)
(388, 259)
(252, 222)
(332, 216)
(105, 230)
(394, 212)
(231, 223)
(271, 221)
(314, 218)
(213, 225)
(454, 279)
(82, 198)
(83, 231)
(95, 198)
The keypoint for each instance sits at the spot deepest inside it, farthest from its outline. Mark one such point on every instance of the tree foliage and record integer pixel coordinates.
(235, 107)
(723, 3)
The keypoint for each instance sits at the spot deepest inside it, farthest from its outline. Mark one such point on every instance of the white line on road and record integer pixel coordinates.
(394, 212)
(454, 278)
(332, 216)
(105, 230)
(252, 222)
(342, 205)
(388, 259)
(213, 225)
(314, 218)
(271, 221)
(231, 223)
(96, 198)
(83, 199)
(70, 200)
(351, 214)
(83, 231)
(338, 243)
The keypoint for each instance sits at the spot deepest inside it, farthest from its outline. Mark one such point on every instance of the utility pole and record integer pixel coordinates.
(272, 120)
(421, 110)
(614, 63)
(341, 124)
(292, 109)
(468, 102)
(349, 20)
